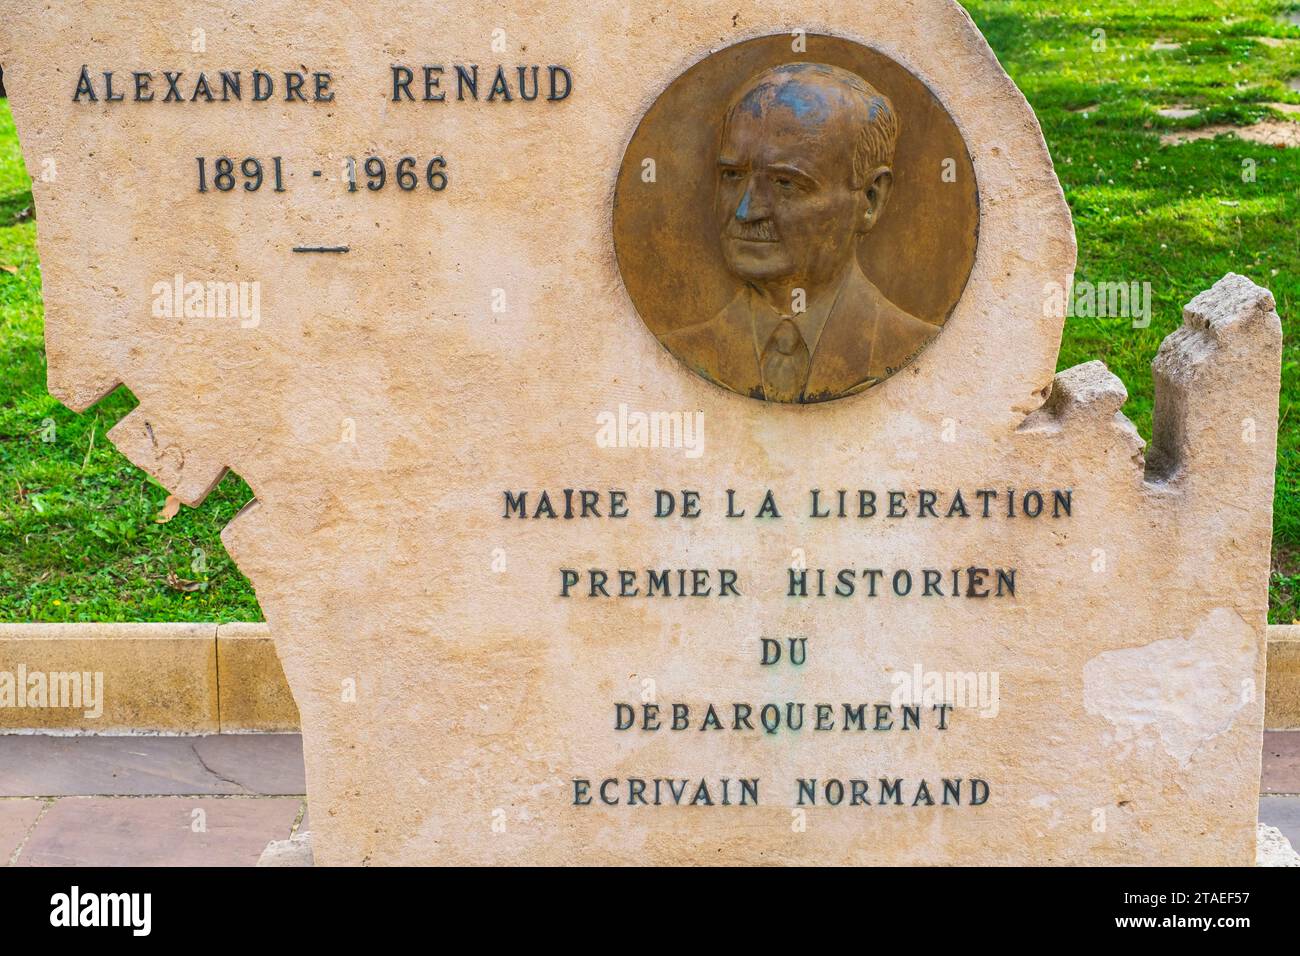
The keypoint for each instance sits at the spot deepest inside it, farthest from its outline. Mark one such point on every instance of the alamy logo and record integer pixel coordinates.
(80, 690)
(1099, 300)
(977, 690)
(208, 300)
(629, 429)
(102, 909)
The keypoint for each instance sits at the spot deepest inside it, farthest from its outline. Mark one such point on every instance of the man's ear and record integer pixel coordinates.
(880, 181)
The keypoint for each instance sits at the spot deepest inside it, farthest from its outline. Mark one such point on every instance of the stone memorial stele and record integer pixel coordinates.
(653, 427)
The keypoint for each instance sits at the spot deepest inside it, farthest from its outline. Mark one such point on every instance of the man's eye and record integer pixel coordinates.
(785, 182)
(731, 175)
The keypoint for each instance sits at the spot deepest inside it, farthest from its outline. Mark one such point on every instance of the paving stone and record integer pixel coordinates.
(158, 831)
(263, 763)
(1283, 813)
(1281, 762)
(16, 818)
(33, 765)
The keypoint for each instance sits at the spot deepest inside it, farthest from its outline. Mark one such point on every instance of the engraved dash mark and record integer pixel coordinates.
(321, 249)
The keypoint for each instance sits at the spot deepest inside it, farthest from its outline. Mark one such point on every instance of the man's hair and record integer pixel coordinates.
(879, 126)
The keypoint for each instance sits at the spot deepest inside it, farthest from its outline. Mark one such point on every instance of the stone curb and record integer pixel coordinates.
(1282, 692)
(227, 678)
(142, 678)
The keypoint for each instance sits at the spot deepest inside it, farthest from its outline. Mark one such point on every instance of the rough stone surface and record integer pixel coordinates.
(381, 407)
(1274, 849)
(295, 851)
(1087, 392)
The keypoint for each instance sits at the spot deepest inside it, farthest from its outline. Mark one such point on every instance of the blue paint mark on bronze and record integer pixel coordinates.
(793, 87)
(805, 102)
(742, 211)
(754, 99)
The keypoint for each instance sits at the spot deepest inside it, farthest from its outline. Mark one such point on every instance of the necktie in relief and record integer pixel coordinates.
(785, 363)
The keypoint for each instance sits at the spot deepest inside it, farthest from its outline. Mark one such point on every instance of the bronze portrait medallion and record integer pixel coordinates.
(796, 225)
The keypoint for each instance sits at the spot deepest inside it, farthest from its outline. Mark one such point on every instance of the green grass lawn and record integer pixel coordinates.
(1178, 217)
(78, 535)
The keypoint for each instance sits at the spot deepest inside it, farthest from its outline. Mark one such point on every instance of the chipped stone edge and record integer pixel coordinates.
(1229, 323)
(296, 851)
(1232, 314)
(1272, 848)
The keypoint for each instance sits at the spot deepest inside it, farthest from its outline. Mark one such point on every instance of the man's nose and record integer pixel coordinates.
(753, 204)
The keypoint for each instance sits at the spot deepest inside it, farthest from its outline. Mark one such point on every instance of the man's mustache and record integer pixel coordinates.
(759, 230)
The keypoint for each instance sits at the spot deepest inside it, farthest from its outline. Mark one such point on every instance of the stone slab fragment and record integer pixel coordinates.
(1275, 849)
(295, 851)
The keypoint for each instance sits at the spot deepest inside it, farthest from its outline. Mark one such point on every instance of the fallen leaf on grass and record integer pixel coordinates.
(5, 267)
(181, 584)
(171, 508)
